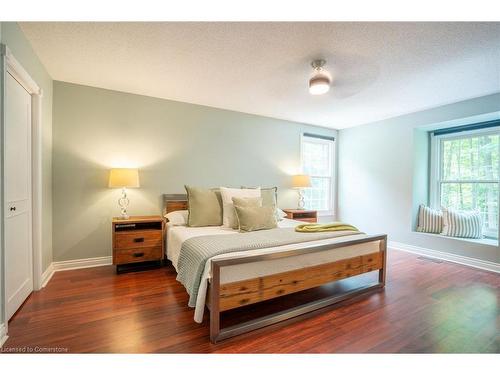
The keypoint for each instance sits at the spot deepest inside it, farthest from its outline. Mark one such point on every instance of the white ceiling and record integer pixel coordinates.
(380, 70)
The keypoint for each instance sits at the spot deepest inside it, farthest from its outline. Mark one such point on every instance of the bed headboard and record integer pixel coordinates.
(174, 202)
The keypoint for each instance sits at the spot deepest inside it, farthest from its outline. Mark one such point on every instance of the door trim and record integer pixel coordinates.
(13, 67)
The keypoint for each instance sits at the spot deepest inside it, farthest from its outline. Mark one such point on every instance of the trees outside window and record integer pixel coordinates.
(466, 169)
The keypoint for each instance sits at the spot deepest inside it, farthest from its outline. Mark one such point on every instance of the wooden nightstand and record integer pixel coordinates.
(136, 240)
(310, 216)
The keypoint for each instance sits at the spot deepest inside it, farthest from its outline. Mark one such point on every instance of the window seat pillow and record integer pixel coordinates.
(429, 220)
(464, 224)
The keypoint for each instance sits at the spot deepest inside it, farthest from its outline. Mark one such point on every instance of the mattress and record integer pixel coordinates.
(176, 235)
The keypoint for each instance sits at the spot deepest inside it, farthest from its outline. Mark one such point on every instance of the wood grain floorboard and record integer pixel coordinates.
(427, 307)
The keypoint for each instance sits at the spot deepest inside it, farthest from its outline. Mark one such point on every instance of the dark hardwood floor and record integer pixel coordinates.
(427, 307)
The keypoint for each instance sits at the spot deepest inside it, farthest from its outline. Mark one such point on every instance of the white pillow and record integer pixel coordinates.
(177, 217)
(465, 224)
(229, 218)
(280, 214)
(429, 220)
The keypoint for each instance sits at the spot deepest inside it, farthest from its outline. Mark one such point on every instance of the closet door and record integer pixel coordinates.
(17, 188)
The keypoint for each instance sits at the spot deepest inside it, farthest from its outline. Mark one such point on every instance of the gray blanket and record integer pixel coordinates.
(196, 251)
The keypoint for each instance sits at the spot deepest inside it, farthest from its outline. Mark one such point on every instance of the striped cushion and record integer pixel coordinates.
(465, 224)
(429, 220)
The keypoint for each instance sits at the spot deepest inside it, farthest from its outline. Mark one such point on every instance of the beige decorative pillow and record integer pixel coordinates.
(247, 202)
(204, 207)
(244, 202)
(256, 218)
(269, 195)
(270, 198)
(219, 196)
(228, 214)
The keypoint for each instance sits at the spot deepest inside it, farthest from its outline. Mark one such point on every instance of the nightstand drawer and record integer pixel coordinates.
(124, 256)
(306, 219)
(138, 239)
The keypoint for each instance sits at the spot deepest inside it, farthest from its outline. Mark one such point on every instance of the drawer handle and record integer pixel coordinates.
(125, 225)
(140, 239)
(13, 208)
(138, 255)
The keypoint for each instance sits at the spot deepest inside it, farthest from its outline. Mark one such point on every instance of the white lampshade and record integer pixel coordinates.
(320, 81)
(319, 86)
(124, 177)
(300, 181)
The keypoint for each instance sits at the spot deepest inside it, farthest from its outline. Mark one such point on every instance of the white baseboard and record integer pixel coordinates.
(3, 334)
(82, 263)
(67, 265)
(47, 275)
(471, 262)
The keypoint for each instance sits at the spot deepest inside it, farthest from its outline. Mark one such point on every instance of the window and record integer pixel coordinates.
(465, 173)
(318, 163)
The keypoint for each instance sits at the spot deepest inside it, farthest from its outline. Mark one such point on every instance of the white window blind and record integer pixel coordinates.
(466, 174)
(318, 163)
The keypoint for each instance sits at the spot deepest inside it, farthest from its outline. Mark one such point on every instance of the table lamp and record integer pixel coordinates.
(299, 182)
(124, 178)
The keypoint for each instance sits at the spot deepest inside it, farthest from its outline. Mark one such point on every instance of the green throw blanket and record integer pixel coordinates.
(327, 227)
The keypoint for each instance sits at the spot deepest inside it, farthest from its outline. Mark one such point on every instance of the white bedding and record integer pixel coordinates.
(176, 235)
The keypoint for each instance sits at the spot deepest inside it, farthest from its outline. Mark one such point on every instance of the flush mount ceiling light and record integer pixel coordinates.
(320, 81)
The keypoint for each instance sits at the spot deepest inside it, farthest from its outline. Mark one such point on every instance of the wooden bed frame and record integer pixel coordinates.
(224, 297)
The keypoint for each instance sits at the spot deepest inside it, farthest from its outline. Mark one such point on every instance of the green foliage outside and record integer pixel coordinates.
(470, 174)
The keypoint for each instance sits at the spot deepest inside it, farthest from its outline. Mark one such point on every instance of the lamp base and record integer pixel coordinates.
(301, 204)
(123, 202)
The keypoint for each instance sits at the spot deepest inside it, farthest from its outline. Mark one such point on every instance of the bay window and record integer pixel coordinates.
(465, 173)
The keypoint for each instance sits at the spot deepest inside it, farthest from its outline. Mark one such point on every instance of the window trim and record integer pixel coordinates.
(323, 140)
(436, 164)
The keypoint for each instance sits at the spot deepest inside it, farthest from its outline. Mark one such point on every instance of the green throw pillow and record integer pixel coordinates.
(204, 207)
(253, 218)
(247, 201)
(244, 202)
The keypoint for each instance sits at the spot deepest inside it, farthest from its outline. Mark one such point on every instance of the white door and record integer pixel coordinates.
(17, 185)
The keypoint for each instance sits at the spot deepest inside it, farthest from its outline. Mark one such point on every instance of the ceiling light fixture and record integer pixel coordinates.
(320, 81)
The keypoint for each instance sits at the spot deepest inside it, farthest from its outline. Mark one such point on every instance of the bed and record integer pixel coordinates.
(241, 278)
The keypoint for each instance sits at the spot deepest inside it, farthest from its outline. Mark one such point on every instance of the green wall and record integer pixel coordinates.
(172, 144)
(383, 176)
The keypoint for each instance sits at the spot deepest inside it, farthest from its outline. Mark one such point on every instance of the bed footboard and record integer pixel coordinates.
(223, 297)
